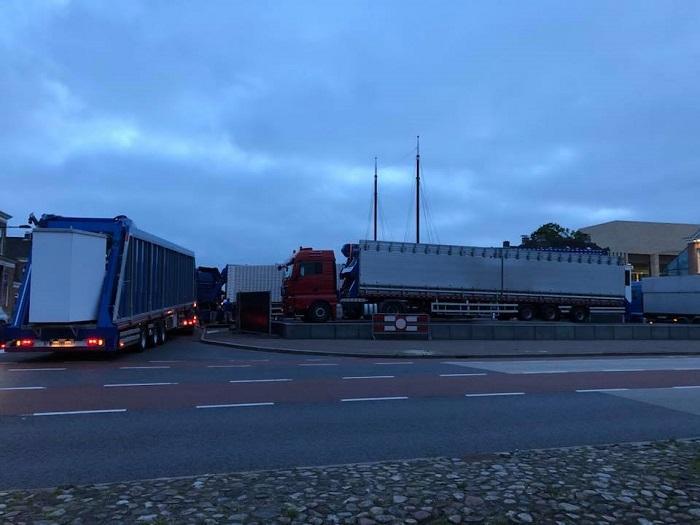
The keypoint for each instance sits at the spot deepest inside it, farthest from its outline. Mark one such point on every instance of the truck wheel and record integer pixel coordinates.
(153, 336)
(391, 307)
(549, 312)
(319, 313)
(161, 333)
(142, 345)
(579, 314)
(526, 312)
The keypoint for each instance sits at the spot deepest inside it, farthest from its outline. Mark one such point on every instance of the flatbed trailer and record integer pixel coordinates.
(101, 284)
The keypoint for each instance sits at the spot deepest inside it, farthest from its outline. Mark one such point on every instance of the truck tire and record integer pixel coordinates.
(319, 312)
(153, 336)
(526, 312)
(391, 307)
(549, 312)
(142, 344)
(160, 330)
(579, 314)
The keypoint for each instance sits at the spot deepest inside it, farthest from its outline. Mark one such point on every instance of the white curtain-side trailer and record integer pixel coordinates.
(464, 280)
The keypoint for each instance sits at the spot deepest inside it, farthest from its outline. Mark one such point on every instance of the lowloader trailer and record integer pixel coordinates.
(100, 285)
(442, 280)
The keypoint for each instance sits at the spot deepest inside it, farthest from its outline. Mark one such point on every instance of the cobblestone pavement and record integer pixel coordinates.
(631, 483)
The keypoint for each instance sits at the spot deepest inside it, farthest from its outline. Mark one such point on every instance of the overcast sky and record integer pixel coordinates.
(242, 130)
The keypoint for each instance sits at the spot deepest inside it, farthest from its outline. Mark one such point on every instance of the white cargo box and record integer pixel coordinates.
(254, 278)
(672, 295)
(68, 268)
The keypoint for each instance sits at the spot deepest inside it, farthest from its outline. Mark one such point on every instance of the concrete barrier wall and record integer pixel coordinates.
(500, 331)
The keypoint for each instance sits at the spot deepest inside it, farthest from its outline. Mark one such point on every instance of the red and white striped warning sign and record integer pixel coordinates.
(400, 324)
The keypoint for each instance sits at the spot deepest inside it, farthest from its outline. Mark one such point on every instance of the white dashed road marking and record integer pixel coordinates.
(236, 405)
(229, 366)
(259, 380)
(369, 377)
(138, 384)
(23, 388)
(496, 394)
(34, 369)
(76, 412)
(602, 390)
(318, 364)
(141, 367)
(394, 398)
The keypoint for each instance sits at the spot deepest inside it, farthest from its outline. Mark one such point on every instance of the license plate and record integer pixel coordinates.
(62, 343)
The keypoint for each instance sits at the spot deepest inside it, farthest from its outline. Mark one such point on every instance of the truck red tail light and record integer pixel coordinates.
(24, 343)
(95, 341)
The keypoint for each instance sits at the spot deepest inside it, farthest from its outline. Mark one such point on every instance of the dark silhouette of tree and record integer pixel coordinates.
(552, 235)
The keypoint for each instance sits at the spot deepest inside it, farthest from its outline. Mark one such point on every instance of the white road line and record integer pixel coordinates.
(623, 370)
(351, 399)
(229, 366)
(397, 363)
(529, 372)
(5, 389)
(318, 364)
(496, 394)
(75, 412)
(235, 405)
(602, 390)
(137, 384)
(687, 386)
(258, 380)
(34, 369)
(462, 375)
(141, 367)
(369, 377)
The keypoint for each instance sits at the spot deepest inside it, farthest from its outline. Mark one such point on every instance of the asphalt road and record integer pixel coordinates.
(188, 408)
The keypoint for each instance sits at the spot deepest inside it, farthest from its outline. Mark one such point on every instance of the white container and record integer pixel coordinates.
(68, 269)
(254, 278)
(438, 268)
(672, 295)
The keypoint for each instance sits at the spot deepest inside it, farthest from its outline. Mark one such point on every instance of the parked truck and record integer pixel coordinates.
(210, 293)
(101, 284)
(397, 277)
(670, 299)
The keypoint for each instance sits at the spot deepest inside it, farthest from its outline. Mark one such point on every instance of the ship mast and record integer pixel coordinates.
(418, 189)
(375, 198)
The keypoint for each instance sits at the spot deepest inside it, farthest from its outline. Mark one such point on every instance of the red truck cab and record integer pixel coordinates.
(309, 287)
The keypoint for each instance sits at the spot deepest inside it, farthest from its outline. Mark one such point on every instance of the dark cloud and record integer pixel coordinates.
(244, 129)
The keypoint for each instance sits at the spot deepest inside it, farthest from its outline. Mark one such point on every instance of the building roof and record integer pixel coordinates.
(642, 237)
(4, 216)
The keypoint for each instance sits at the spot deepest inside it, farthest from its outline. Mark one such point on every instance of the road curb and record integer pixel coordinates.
(408, 354)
